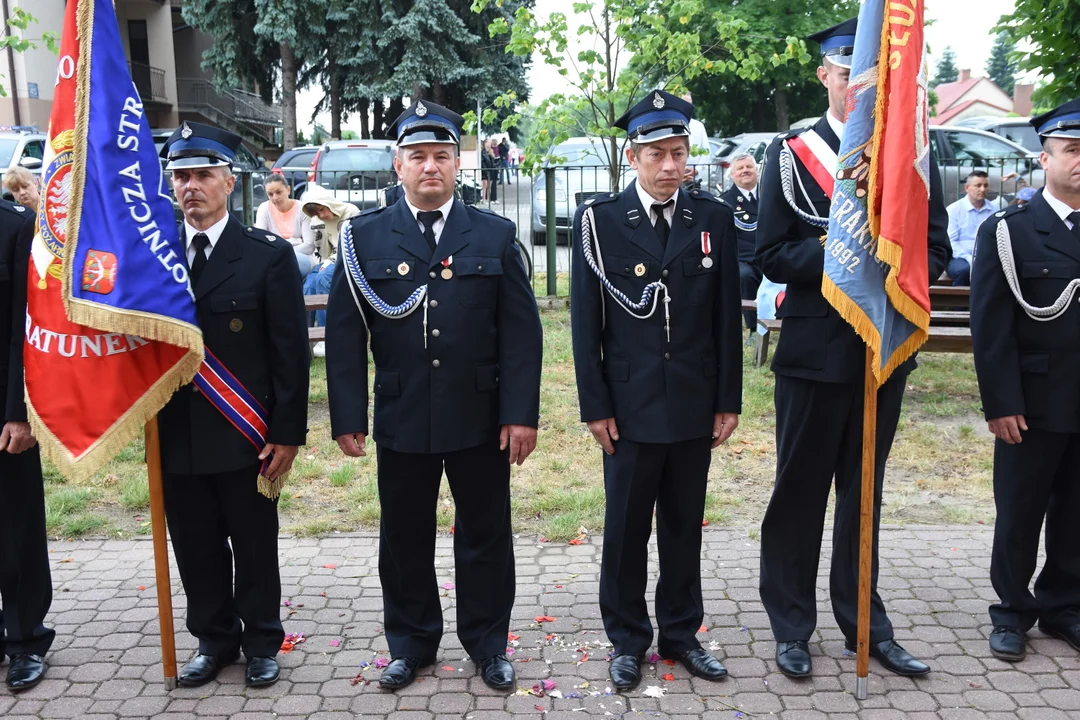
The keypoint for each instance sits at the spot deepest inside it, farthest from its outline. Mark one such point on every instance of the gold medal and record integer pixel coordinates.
(639, 269)
(236, 324)
(447, 273)
(403, 269)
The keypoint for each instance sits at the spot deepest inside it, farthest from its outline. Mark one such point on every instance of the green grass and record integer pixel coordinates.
(134, 493)
(63, 503)
(82, 524)
(341, 477)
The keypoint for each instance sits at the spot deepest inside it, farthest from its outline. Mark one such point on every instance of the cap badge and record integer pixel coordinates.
(186, 131)
(421, 109)
(657, 101)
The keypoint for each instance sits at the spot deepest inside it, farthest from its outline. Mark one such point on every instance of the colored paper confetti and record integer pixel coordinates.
(544, 619)
(653, 659)
(669, 677)
(335, 643)
(330, 566)
(380, 663)
(653, 691)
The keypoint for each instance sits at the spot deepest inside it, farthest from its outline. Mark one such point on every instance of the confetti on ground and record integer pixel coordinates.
(653, 691)
(330, 566)
(544, 619)
(291, 641)
(380, 663)
(703, 628)
(512, 637)
(142, 587)
(653, 659)
(669, 677)
(335, 643)
(669, 662)
(448, 668)
(448, 586)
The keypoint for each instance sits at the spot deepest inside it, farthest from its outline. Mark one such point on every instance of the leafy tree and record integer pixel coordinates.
(1050, 30)
(19, 22)
(946, 68)
(1001, 66)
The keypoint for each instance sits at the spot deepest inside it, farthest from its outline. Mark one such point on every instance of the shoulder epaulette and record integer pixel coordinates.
(372, 211)
(262, 236)
(789, 134)
(600, 199)
(486, 211)
(16, 209)
(699, 194)
(1011, 210)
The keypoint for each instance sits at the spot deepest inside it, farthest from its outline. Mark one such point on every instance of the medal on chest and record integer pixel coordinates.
(447, 273)
(706, 250)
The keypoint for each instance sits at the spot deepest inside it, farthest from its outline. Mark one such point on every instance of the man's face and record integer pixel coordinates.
(1061, 161)
(427, 172)
(835, 80)
(744, 173)
(27, 195)
(202, 193)
(976, 189)
(660, 165)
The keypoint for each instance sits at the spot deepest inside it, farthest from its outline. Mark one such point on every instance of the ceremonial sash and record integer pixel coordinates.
(817, 157)
(226, 393)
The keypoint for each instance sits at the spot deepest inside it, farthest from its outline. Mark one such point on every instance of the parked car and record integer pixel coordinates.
(1016, 129)
(581, 173)
(21, 147)
(355, 171)
(295, 164)
(959, 150)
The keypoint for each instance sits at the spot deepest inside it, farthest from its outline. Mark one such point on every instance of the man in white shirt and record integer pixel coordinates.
(965, 217)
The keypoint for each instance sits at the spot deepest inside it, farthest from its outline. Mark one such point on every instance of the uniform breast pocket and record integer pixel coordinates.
(235, 315)
(392, 279)
(697, 281)
(478, 280)
(1044, 281)
(628, 274)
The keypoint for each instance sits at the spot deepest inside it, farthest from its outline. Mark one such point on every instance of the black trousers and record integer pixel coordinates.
(637, 478)
(25, 580)
(1039, 477)
(218, 522)
(479, 479)
(819, 437)
(749, 281)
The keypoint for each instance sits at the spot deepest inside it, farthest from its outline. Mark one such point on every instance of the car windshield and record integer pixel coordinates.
(581, 155)
(976, 147)
(7, 149)
(1022, 135)
(357, 159)
(300, 160)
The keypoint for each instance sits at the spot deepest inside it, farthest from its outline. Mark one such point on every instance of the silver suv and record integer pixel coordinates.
(355, 171)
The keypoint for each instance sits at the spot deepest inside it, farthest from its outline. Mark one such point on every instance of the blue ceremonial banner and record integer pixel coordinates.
(875, 253)
(111, 328)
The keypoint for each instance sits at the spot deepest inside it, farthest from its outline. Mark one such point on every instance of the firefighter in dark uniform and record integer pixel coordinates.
(25, 582)
(742, 197)
(658, 355)
(819, 366)
(1024, 321)
(218, 489)
(441, 291)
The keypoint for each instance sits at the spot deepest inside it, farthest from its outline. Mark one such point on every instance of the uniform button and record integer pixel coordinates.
(379, 386)
(664, 274)
(667, 356)
(388, 271)
(431, 274)
(434, 303)
(234, 303)
(626, 269)
(435, 332)
(1046, 271)
(480, 268)
(434, 363)
(194, 388)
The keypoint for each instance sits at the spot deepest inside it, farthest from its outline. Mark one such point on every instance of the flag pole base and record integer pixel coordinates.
(170, 683)
(862, 687)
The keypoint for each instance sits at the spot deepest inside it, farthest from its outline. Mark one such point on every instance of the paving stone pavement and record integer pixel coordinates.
(934, 581)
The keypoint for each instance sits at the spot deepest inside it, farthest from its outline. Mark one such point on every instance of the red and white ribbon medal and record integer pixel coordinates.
(706, 249)
(447, 273)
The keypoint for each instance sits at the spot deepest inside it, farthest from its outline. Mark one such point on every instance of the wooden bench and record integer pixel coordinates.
(311, 304)
(947, 297)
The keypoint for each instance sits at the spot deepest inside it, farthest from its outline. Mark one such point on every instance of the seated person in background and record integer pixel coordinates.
(965, 217)
(769, 296)
(281, 215)
(23, 186)
(328, 215)
(742, 197)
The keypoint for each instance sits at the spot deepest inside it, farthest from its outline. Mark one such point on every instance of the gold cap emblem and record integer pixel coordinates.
(639, 269)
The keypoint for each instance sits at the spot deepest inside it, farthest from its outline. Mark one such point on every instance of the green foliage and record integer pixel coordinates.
(1001, 66)
(1048, 30)
(134, 493)
(19, 22)
(946, 71)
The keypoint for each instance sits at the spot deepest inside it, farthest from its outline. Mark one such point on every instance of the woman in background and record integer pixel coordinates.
(282, 216)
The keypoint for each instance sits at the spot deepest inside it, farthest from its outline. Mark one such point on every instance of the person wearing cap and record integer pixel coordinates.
(657, 336)
(819, 366)
(218, 481)
(25, 580)
(1024, 319)
(442, 292)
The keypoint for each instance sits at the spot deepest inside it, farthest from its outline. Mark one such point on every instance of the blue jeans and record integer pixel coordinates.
(318, 283)
(960, 271)
(305, 262)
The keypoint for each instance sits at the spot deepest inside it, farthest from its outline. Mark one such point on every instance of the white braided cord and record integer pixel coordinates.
(1008, 266)
(652, 291)
(787, 169)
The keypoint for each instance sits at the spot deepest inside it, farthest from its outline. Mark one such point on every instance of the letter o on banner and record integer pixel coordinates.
(67, 68)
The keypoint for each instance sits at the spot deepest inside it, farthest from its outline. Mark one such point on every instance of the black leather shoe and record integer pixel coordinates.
(700, 663)
(1007, 643)
(625, 671)
(894, 658)
(497, 672)
(1068, 633)
(402, 671)
(25, 671)
(202, 669)
(793, 658)
(261, 671)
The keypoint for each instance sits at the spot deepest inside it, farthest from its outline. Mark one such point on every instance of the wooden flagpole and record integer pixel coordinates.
(161, 554)
(866, 527)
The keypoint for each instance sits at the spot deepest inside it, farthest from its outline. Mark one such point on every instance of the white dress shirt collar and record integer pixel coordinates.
(836, 124)
(440, 223)
(747, 193)
(647, 201)
(213, 232)
(1060, 209)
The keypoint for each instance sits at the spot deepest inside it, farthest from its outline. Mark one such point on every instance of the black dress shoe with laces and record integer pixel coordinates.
(700, 663)
(793, 658)
(1007, 643)
(625, 671)
(894, 658)
(402, 671)
(261, 671)
(497, 672)
(202, 669)
(25, 671)
(1068, 633)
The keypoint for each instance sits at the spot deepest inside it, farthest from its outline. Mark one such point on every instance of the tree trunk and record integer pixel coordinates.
(365, 123)
(393, 110)
(335, 97)
(783, 120)
(377, 119)
(288, 97)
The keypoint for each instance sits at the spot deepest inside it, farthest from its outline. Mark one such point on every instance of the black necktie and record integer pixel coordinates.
(428, 220)
(751, 200)
(662, 227)
(1074, 218)
(200, 241)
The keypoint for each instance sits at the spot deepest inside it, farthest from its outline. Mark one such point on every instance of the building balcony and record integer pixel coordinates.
(237, 110)
(150, 82)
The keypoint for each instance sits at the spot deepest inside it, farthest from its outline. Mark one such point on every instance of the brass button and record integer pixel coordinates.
(434, 303)
(435, 332)
(435, 363)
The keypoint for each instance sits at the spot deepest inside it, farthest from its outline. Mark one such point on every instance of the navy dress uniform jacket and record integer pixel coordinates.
(816, 343)
(658, 392)
(250, 306)
(746, 212)
(481, 367)
(1027, 367)
(16, 234)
